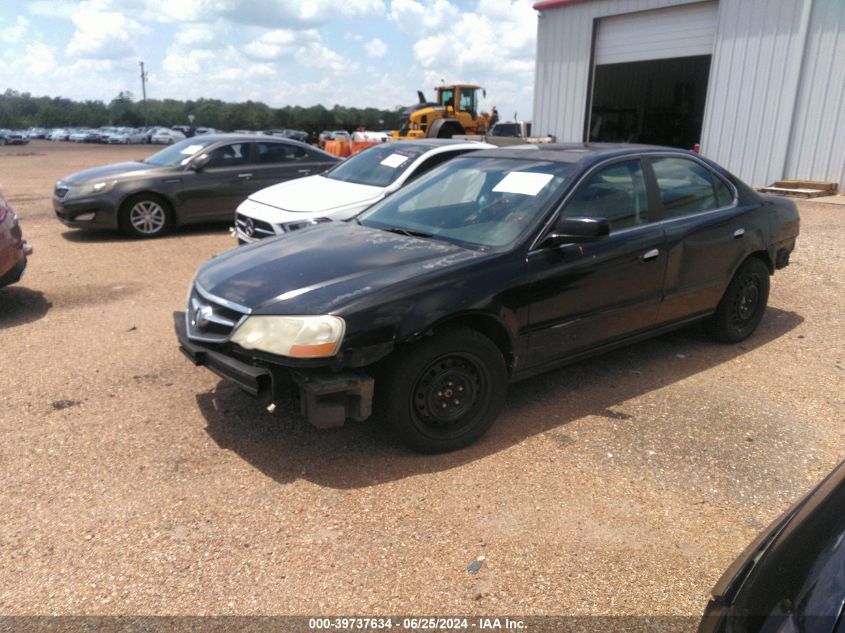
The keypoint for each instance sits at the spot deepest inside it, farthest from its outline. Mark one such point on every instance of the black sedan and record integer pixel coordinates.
(196, 180)
(792, 577)
(488, 269)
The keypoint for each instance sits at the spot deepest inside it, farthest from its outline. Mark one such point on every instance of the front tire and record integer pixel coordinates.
(743, 304)
(445, 391)
(145, 216)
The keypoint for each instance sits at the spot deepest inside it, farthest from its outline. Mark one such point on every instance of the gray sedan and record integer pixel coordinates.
(196, 180)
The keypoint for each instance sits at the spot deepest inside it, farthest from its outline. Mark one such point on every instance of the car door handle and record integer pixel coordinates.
(649, 255)
(303, 171)
(739, 233)
(245, 176)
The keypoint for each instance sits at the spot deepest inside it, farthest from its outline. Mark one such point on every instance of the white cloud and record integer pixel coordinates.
(13, 34)
(375, 48)
(196, 35)
(299, 14)
(496, 42)
(52, 8)
(419, 17)
(103, 34)
(277, 51)
(273, 44)
(319, 57)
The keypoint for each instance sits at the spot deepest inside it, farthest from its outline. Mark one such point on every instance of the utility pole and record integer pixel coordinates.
(144, 92)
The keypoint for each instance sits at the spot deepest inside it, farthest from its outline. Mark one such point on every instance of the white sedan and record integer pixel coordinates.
(344, 191)
(164, 136)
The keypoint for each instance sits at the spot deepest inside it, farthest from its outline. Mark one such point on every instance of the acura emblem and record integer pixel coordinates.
(249, 227)
(203, 316)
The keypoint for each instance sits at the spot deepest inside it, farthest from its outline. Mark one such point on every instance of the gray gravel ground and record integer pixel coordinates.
(133, 483)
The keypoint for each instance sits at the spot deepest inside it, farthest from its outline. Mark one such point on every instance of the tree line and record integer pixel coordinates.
(22, 110)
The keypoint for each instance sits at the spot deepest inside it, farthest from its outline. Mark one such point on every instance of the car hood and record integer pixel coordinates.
(315, 193)
(799, 561)
(106, 171)
(326, 268)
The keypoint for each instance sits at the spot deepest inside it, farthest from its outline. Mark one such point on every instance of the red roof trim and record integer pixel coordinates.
(549, 4)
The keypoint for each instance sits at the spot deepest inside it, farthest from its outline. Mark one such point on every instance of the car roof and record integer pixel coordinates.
(430, 144)
(262, 138)
(574, 152)
(214, 138)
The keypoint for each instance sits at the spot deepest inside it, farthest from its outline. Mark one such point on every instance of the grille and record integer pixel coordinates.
(259, 227)
(211, 318)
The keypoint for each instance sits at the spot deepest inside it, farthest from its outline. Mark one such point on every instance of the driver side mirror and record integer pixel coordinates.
(199, 162)
(577, 230)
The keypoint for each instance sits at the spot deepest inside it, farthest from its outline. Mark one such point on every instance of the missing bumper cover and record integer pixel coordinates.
(327, 400)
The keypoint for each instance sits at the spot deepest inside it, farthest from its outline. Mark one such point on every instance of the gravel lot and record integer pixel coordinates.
(133, 483)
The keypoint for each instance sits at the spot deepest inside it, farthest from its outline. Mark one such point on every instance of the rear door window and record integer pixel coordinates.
(273, 153)
(685, 187)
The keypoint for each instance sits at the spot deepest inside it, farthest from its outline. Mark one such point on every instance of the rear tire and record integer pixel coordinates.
(743, 304)
(445, 391)
(145, 216)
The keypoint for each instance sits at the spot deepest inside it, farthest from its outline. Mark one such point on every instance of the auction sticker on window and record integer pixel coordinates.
(394, 160)
(192, 149)
(528, 183)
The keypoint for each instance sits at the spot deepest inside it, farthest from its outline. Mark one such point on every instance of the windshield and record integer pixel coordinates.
(505, 129)
(377, 166)
(178, 153)
(474, 202)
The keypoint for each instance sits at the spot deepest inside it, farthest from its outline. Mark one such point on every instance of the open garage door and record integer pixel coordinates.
(650, 76)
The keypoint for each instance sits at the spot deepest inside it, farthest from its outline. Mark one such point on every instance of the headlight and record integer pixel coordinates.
(97, 187)
(294, 336)
(293, 226)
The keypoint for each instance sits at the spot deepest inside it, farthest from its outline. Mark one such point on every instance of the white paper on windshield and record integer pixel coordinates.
(528, 183)
(192, 149)
(394, 160)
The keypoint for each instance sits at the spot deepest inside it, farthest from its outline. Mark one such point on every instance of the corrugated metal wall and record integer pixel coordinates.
(753, 89)
(817, 144)
(776, 96)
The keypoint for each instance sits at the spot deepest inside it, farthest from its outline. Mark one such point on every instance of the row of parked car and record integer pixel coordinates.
(129, 135)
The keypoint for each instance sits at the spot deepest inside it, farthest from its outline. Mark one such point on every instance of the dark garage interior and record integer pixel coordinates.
(658, 102)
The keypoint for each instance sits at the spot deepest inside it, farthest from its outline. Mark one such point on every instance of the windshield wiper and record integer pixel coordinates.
(408, 232)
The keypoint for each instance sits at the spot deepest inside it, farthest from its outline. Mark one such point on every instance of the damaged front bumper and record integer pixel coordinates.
(327, 398)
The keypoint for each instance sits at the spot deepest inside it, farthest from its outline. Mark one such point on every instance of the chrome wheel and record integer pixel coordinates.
(147, 217)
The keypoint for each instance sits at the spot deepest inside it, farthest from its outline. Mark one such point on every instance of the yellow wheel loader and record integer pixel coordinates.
(454, 112)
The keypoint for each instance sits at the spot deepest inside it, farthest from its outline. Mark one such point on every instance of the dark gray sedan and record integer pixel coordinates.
(196, 180)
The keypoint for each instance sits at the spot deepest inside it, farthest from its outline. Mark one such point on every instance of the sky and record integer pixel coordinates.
(281, 52)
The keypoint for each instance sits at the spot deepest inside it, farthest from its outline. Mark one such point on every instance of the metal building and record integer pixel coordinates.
(759, 84)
